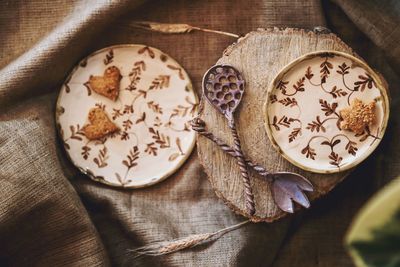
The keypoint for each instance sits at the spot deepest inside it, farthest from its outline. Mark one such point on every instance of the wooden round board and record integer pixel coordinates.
(259, 56)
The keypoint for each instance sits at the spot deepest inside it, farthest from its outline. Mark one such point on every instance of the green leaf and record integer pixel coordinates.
(383, 250)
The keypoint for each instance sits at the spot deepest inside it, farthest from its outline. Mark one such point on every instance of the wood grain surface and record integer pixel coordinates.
(259, 56)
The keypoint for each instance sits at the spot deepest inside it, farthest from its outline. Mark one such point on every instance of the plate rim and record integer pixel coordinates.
(380, 84)
(88, 172)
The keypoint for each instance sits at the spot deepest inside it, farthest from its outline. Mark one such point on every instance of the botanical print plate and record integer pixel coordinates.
(155, 104)
(305, 106)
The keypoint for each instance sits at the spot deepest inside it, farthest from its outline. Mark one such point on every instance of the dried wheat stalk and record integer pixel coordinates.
(167, 247)
(175, 28)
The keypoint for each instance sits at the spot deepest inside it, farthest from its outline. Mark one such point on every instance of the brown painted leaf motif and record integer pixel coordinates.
(132, 157)
(151, 149)
(180, 73)
(116, 113)
(351, 148)
(127, 124)
(325, 69)
(335, 159)
(295, 132)
(89, 91)
(163, 57)
(309, 73)
(309, 152)
(316, 125)
(83, 62)
(180, 110)
(161, 139)
(155, 107)
(109, 57)
(331, 143)
(335, 92)
(134, 75)
(328, 109)
(365, 81)
(288, 101)
(282, 86)
(157, 122)
(85, 152)
(100, 160)
(363, 138)
(128, 109)
(193, 106)
(173, 157)
(100, 105)
(274, 123)
(141, 65)
(121, 180)
(343, 69)
(67, 88)
(148, 50)
(124, 136)
(76, 133)
(66, 145)
(367, 133)
(273, 98)
(142, 118)
(299, 86)
(178, 144)
(284, 121)
(162, 81)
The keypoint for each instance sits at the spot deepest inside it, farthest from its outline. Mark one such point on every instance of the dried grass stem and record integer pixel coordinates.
(175, 28)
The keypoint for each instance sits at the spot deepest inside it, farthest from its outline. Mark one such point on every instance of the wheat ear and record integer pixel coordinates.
(175, 28)
(167, 247)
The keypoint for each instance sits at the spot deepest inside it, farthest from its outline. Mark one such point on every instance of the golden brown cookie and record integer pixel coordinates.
(108, 84)
(99, 125)
(358, 116)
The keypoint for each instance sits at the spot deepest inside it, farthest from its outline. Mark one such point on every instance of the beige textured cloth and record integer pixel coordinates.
(51, 215)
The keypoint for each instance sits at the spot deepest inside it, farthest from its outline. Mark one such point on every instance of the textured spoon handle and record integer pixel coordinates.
(243, 169)
(199, 126)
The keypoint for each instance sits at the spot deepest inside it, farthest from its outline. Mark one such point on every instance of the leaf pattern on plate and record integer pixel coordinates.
(151, 128)
(336, 84)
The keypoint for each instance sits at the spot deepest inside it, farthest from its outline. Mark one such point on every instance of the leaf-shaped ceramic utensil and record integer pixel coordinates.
(288, 187)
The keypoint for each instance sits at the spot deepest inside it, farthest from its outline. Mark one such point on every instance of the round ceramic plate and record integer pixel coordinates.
(155, 104)
(303, 111)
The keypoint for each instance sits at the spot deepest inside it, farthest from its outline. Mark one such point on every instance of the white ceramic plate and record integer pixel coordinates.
(302, 111)
(155, 104)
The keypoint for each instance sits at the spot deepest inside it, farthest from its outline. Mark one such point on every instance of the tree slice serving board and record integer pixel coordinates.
(259, 56)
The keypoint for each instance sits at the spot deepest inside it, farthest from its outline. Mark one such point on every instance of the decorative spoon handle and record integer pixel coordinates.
(286, 187)
(243, 168)
(199, 126)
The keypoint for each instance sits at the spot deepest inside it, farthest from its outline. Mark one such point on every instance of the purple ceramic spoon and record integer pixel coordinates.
(223, 87)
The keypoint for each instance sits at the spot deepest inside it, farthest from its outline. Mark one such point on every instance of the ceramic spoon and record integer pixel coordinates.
(223, 87)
